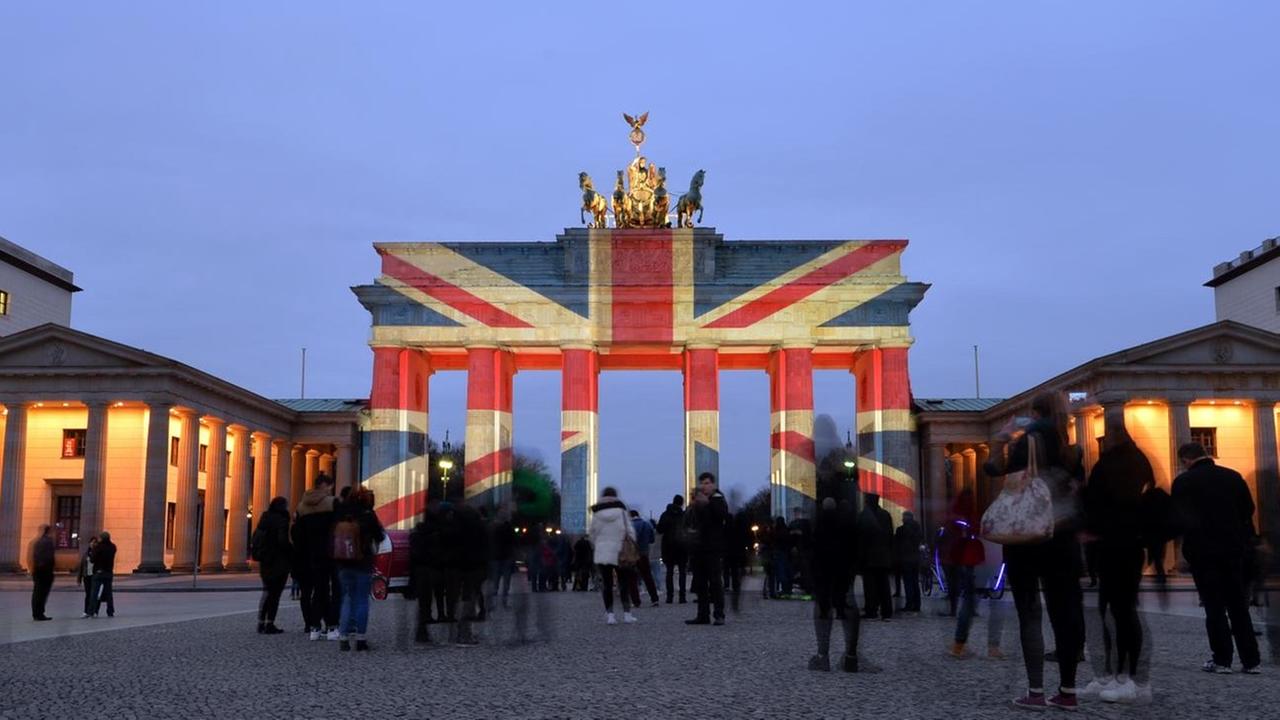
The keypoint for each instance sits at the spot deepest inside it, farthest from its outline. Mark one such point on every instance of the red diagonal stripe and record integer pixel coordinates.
(806, 285)
(488, 466)
(794, 443)
(449, 294)
(401, 508)
(888, 488)
(566, 434)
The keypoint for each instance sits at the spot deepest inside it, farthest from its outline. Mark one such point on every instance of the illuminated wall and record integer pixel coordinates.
(1149, 427)
(1235, 435)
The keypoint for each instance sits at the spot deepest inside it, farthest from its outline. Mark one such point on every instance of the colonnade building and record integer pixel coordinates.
(172, 461)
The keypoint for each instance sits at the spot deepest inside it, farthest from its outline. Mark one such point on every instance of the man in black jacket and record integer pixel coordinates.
(104, 572)
(312, 536)
(875, 530)
(711, 511)
(906, 548)
(41, 573)
(1215, 510)
(674, 553)
(833, 553)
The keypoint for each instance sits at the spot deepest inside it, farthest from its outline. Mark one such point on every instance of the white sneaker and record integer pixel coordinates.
(85, 616)
(1143, 695)
(315, 635)
(610, 619)
(629, 618)
(333, 635)
(1124, 691)
(1095, 687)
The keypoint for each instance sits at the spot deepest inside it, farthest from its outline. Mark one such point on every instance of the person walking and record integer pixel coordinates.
(965, 553)
(312, 550)
(1113, 517)
(1215, 510)
(675, 553)
(84, 576)
(42, 556)
(583, 561)
(906, 548)
(780, 559)
(472, 568)
(710, 515)
(1053, 566)
(833, 562)
(610, 529)
(644, 540)
(502, 546)
(875, 528)
(420, 577)
(270, 546)
(356, 536)
(104, 572)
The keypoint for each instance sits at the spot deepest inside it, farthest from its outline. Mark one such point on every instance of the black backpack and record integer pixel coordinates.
(258, 543)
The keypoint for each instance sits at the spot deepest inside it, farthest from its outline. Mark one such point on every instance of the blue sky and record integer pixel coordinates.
(1068, 173)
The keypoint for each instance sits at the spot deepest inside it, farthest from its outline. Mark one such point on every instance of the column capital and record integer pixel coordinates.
(313, 453)
(96, 404)
(580, 346)
(212, 421)
(702, 346)
(795, 345)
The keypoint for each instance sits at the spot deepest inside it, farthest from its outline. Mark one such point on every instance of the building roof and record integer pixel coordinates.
(956, 404)
(322, 405)
(1248, 260)
(25, 260)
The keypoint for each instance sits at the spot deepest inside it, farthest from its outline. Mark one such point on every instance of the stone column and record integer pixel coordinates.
(185, 522)
(792, 461)
(313, 469)
(215, 483)
(579, 435)
(326, 464)
(238, 502)
(293, 482)
(1179, 430)
(155, 486)
(936, 470)
(487, 475)
(261, 474)
(701, 415)
(1112, 415)
(344, 466)
(12, 479)
(982, 485)
(92, 489)
(1265, 460)
(884, 427)
(958, 481)
(398, 431)
(1084, 439)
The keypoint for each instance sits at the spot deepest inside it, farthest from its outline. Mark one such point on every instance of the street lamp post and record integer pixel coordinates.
(445, 466)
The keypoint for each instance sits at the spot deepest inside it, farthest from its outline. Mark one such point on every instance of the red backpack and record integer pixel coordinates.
(348, 545)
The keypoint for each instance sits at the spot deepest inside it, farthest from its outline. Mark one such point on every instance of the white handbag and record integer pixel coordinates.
(1023, 512)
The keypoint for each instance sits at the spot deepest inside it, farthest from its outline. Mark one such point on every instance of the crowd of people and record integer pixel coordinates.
(1111, 526)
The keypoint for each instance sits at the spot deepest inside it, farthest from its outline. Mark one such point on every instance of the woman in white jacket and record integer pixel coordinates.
(610, 525)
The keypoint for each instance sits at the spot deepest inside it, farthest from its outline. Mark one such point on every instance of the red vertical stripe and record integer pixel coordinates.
(643, 296)
(896, 379)
(791, 379)
(386, 379)
(701, 379)
(489, 375)
(579, 381)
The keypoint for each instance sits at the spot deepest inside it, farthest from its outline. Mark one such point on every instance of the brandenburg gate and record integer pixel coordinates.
(637, 293)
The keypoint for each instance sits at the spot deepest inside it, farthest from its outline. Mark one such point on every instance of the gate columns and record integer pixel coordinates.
(884, 428)
(701, 414)
(793, 472)
(579, 435)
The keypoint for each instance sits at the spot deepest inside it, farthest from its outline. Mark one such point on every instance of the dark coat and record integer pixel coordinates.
(1214, 512)
(671, 528)
(42, 555)
(834, 545)
(906, 542)
(312, 533)
(1113, 495)
(277, 550)
(711, 519)
(875, 535)
(473, 551)
(104, 558)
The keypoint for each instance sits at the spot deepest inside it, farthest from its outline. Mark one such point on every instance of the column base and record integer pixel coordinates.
(153, 568)
(184, 569)
(12, 568)
(238, 567)
(211, 568)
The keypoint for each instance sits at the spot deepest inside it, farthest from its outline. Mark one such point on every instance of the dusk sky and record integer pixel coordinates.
(1068, 173)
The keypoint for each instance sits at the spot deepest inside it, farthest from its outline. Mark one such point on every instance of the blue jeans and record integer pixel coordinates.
(354, 619)
(964, 591)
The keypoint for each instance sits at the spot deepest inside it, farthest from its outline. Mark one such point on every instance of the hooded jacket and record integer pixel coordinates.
(610, 523)
(671, 528)
(313, 531)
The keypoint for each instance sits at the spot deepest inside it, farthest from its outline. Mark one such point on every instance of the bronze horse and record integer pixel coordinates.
(690, 201)
(591, 201)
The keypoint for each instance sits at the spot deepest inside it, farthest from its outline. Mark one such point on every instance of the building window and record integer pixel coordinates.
(171, 514)
(66, 522)
(4, 301)
(204, 457)
(173, 451)
(1208, 438)
(72, 443)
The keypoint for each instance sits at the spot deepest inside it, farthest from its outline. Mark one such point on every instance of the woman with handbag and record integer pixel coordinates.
(615, 552)
(1037, 517)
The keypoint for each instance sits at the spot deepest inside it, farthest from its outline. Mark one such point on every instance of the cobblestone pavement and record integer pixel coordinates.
(753, 667)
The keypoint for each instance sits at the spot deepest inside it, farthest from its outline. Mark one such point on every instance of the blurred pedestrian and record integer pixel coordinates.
(473, 566)
(834, 553)
(104, 572)
(42, 558)
(710, 514)
(610, 529)
(583, 562)
(1053, 566)
(780, 556)
(1215, 509)
(906, 547)
(965, 553)
(312, 558)
(644, 540)
(356, 536)
(84, 576)
(502, 562)
(675, 552)
(270, 546)
(875, 544)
